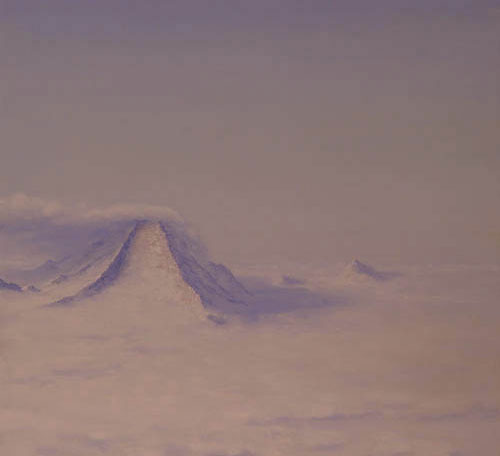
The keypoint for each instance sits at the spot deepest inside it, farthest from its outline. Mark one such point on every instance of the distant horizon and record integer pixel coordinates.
(57, 230)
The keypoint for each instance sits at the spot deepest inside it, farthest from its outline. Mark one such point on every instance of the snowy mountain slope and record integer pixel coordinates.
(214, 283)
(150, 244)
(46, 271)
(96, 252)
(108, 276)
(85, 263)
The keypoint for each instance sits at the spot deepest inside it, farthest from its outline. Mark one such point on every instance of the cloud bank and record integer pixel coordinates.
(18, 209)
(34, 229)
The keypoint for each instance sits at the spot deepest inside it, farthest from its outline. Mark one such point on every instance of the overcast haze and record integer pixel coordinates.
(283, 131)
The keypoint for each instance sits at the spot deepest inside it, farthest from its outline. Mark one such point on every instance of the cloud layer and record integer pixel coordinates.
(18, 209)
(33, 229)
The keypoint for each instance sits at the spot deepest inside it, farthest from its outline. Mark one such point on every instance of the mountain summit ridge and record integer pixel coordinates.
(160, 255)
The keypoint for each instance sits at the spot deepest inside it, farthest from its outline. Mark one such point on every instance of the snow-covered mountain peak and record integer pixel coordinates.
(149, 254)
(157, 262)
(357, 271)
(362, 268)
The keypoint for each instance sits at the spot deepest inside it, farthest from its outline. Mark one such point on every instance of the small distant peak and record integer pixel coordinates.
(359, 269)
(362, 268)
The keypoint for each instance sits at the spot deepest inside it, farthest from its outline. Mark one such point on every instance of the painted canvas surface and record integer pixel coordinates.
(249, 228)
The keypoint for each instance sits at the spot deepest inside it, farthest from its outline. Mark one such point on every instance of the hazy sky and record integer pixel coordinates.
(284, 130)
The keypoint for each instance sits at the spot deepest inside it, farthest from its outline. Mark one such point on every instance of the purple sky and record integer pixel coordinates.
(282, 130)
